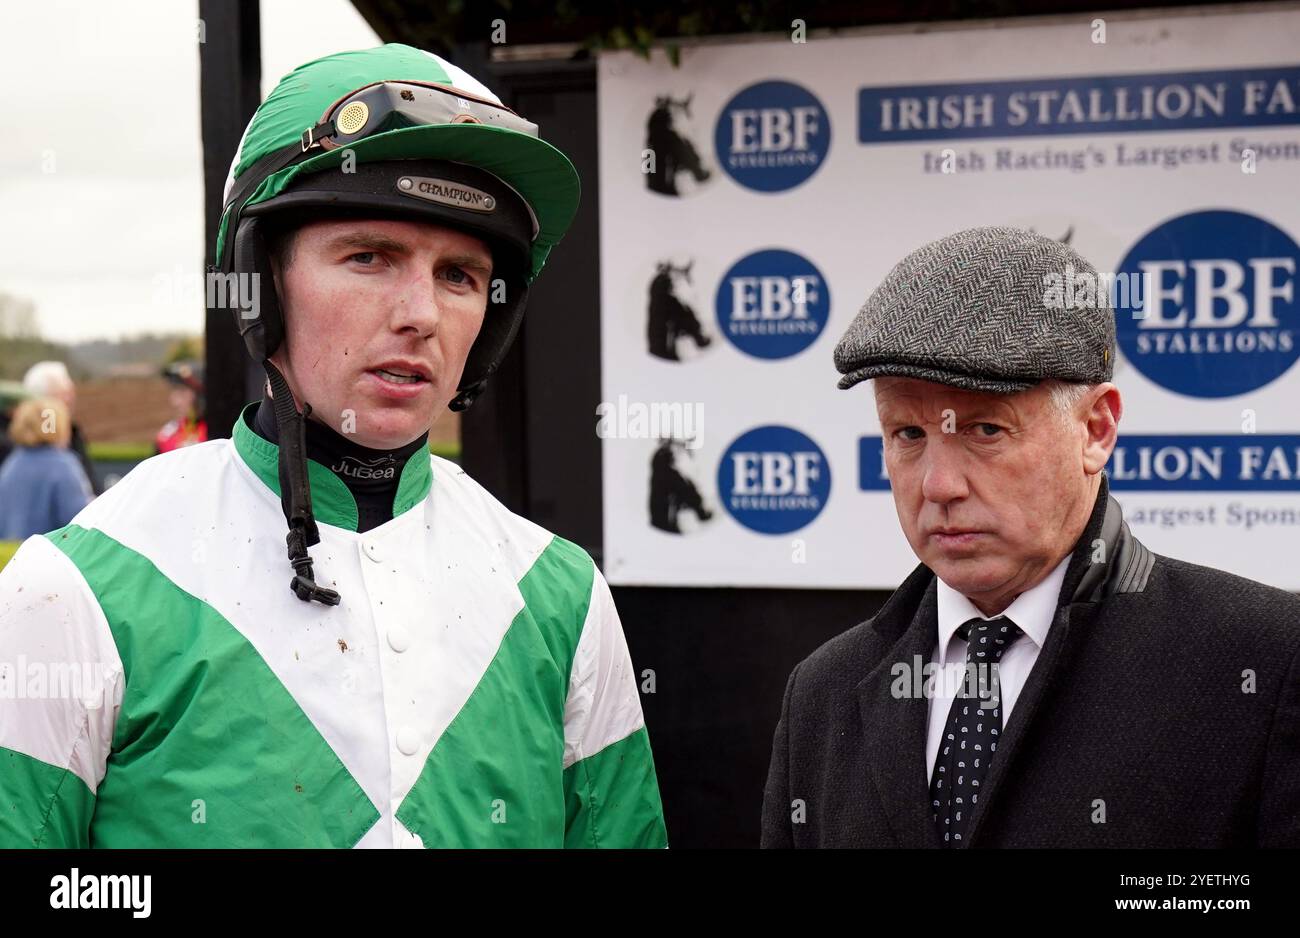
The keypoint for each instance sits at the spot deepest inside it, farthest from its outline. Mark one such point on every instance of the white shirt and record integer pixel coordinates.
(1033, 610)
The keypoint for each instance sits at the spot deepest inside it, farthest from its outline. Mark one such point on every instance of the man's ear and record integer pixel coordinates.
(1103, 408)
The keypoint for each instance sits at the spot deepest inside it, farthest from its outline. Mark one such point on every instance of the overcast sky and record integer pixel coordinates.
(101, 173)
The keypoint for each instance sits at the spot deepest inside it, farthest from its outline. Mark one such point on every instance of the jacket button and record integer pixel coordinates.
(371, 550)
(399, 639)
(408, 741)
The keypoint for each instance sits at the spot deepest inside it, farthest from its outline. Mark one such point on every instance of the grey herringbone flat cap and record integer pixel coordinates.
(975, 310)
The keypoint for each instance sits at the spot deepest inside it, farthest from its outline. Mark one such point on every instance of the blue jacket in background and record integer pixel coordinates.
(41, 489)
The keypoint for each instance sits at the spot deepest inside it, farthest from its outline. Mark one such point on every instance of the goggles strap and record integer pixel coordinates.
(244, 188)
(312, 135)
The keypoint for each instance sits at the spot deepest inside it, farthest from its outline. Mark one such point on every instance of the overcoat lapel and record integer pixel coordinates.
(1069, 628)
(1051, 661)
(894, 728)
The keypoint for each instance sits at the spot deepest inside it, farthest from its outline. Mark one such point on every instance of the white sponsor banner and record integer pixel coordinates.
(752, 198)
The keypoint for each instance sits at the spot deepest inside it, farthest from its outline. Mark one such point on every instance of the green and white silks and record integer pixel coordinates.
(160, 686)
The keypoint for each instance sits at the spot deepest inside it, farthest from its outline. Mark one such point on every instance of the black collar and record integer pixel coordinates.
(371, 475)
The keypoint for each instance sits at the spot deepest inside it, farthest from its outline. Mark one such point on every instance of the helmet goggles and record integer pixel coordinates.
(373, 109)
(392, 105)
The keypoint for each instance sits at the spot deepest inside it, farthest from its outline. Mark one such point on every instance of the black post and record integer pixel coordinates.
(542, 400)
(230, 75)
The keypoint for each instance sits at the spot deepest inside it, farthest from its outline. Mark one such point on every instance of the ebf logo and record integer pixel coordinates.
(772, 136)
(772, 304)
(774, 480)
(1219, 316)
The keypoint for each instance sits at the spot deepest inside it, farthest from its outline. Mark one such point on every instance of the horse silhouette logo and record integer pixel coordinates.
(671, 317)
(673, 492)
(674, 153)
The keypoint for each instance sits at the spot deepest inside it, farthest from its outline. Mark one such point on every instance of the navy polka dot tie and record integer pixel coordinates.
(970, 737)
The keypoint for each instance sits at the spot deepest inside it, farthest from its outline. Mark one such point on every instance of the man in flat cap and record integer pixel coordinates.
(1041, 679)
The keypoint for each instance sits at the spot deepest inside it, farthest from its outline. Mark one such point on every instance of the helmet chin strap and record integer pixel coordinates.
(466, 397)
(295, 491)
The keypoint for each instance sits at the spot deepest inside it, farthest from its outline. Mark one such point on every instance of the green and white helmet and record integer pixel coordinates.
(315, 146)
(387, 132)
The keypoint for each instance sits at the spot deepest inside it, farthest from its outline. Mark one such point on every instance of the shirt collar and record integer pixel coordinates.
(1033, 610)
(332, 503)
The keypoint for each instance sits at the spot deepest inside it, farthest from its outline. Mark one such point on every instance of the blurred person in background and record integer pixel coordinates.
(51, 379)
(11, 392)
(188, 424)
(42, 484)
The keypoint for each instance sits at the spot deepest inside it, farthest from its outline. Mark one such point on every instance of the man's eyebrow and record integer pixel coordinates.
(368, 240)
(472, 261)
(374, 241)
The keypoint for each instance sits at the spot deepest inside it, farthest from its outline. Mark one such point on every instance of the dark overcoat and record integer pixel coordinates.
(1162, 711)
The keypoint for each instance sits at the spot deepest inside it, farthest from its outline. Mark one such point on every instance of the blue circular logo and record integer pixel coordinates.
(774, 480)
(772, 304)
(772, 136)
(1218, 311)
